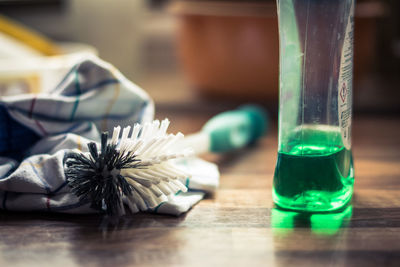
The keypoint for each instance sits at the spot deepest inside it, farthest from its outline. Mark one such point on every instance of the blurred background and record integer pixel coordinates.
(198, 53)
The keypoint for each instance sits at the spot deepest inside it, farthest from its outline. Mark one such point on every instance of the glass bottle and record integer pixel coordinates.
(314, 170)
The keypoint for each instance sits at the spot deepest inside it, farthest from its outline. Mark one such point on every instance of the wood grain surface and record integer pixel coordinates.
(237, 226)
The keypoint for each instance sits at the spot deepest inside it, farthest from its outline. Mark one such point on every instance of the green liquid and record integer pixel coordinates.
(314, 176)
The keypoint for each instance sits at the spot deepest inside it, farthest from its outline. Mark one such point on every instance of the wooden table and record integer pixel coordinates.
(239, 225)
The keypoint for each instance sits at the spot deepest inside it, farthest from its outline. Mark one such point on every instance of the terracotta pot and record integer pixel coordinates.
(229, 50)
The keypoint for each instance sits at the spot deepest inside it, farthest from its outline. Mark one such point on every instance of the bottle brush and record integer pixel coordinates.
(135, 168)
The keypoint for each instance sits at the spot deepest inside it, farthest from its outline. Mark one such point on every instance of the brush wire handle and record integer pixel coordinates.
(230, 130)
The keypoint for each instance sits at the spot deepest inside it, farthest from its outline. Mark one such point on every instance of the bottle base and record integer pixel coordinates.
(314, 201)
(314, 175)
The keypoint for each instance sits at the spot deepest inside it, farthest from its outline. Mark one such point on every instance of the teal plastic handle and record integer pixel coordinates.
(236, 128)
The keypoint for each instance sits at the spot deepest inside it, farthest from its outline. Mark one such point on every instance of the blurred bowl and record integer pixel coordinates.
(229, 49)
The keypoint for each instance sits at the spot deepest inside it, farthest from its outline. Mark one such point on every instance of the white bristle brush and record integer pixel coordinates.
(135, 169)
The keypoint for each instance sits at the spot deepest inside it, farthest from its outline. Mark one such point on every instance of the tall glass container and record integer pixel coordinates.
(314, 170)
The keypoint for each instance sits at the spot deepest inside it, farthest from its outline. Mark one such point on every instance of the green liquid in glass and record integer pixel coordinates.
(315, 175)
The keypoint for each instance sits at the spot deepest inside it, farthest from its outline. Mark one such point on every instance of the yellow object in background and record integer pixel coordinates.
(29, 37)
(32, 63)
(22, 83)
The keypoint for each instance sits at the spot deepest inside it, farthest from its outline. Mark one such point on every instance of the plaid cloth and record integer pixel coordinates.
(37, 131)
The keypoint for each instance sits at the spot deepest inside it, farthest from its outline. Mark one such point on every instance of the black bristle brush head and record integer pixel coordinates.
(95, 177)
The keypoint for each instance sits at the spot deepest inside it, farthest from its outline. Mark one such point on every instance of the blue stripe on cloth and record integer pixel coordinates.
(4, 200)
(65, 78)
(115, 117)
(46, 185)
(59, 188)
(101, 83)
(94, 86)
(94, 118)
(78, 93)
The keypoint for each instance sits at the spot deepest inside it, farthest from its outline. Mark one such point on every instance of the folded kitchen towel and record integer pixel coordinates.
(37, 131)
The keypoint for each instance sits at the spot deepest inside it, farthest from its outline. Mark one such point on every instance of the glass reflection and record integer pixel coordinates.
(284, 222)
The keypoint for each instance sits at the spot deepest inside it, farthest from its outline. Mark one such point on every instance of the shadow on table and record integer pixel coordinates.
(92, 239)
(340, 238)
(95, 221)
(284, 221)
(135, 239)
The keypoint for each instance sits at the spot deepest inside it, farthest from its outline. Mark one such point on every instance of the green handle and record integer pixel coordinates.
(236, 128)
